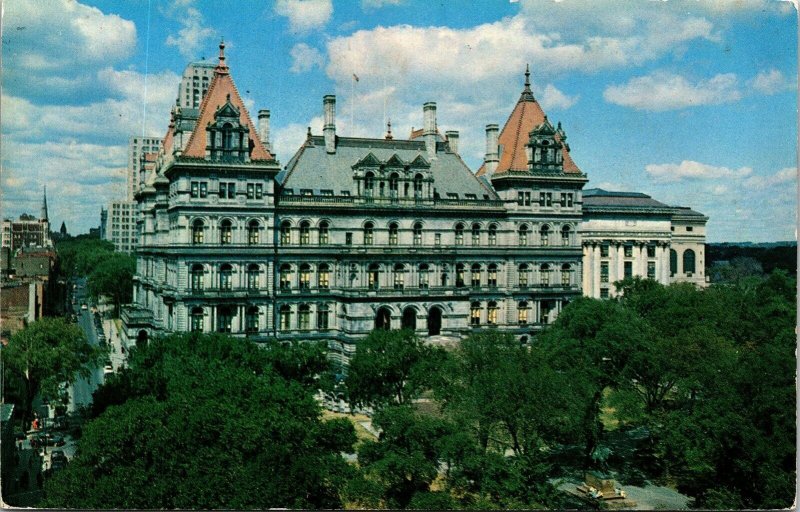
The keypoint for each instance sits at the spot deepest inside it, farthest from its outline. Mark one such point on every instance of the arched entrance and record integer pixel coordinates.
(434, 321)
(383, 319)
(409, 318)
(141, 338)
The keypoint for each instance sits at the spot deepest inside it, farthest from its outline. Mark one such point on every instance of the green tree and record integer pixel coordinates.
(391, 367)
(221, 428)
(113, 277)
(79, 256)
(46, 354)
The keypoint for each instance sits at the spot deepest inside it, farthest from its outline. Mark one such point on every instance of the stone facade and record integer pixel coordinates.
(355, 234)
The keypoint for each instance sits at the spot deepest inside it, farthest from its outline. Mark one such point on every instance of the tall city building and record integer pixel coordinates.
(356, 233)
(139, 149)
(27, 231)
(121, 225)
(194, 83)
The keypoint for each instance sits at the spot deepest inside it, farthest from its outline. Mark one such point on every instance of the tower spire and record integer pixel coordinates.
(389, 130)
(527, 94)
(43, 214)
(221, 68)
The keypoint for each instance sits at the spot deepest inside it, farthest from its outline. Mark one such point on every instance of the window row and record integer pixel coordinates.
(393, 182)
(526, 313)
(226, 190)
(627, 250)
(198, 232)
(545, 199)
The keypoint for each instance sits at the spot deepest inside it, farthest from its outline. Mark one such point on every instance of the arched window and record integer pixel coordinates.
(286, 232)
(383, 319)
(444, 277)
(304, 317)
(460, 275)
(225, 277)
(369, 233)
(459, 234)
(475, 314)
(286, 277)
(251, 320)
(381, 188)
(227, 136)
(522, 273)
(418, 233)
(393, 179)
(323, 233)
(476, 234)
(475, 277)
(399, 276)
(393, 233)
(224, 318)
(323, 314)
(252, 232)
(673, 262)
(373, 276)
(305, 276)
(369, 183)
(197, 320)
(491, 276)
(409, 319)
(566, 270)
(197, 231)
(688, 262)
(423, 276)
(225, 231)
(492, 234)
(434, 321)
(544, 275)
(324, 276)
(197, 278)
(285, 318)
(418, 185)
(565, 232)
(252, 277)
(523, 311)
(544, 234)
(305, 233)
(523, 235)
(491, 313)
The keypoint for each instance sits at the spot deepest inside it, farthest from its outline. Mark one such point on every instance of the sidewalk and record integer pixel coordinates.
(118, 353)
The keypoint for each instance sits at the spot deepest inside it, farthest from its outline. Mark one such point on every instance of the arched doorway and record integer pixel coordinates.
(434, 321)
(383, 319)
(409, 318)
(141, 338)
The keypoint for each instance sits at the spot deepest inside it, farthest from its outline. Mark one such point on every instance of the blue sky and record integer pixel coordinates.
(693, 102)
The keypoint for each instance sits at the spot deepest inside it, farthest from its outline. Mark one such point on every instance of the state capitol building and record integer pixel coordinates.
(353, 234)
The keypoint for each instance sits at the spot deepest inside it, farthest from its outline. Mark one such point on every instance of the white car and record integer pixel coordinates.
(109, 368)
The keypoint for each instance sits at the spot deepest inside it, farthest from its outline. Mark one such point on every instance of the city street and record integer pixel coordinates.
(81, 391)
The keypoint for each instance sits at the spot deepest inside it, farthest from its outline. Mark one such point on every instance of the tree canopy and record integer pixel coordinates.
(206, 422)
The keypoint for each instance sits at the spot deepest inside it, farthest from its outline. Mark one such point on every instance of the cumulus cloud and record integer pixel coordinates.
(193, 34)
(305, 15)
(305, 58)
(785, 176)
(552, 98)
(662, 91)
(691, 170)
(40, 59)
(771, 81)
(377, 4)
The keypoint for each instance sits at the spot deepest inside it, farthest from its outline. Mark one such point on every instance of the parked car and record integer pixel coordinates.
(109, 368)
(58, 455)
(49, 439)
(84, 306)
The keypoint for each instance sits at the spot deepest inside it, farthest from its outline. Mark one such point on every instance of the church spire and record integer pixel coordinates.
(43, 214)
(527, 94)
(222, 68)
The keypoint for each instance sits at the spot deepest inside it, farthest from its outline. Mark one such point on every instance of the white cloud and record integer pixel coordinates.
(305, 15)
(689, 169)
(771, 81)
(377, 4)
(783, 177)
(193, 34)
(305, 58)
(662, 91)
(552, 98)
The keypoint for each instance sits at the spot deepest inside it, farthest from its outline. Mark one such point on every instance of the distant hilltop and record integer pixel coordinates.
(782, 243)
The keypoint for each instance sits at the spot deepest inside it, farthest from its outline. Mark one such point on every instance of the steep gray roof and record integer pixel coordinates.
(314, 169)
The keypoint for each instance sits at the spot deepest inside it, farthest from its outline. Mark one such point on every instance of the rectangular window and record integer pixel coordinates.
(348, 238)
(259, 190)
(604, 272)
(322, 317)
(223, 190)
(251, 191)
(628, 269)
(545, 199)
(472, 197)
(437, 239)
(231, 190)
(203, 189)
(306, 192)
(195, 189)
(523, 198)
(651, 251)
(603, 293)
(689, 228)
(651, 269)
(475, 315)
(604, 251)
(628, 251)
(326, 192)
(566, 199)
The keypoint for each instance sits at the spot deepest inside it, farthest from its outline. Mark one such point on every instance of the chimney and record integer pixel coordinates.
(329, 129)
(263, 128)
(491, 160)
(452, 140)
(429, 127)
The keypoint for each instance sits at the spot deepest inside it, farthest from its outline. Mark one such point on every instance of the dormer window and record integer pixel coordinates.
(227, 139)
